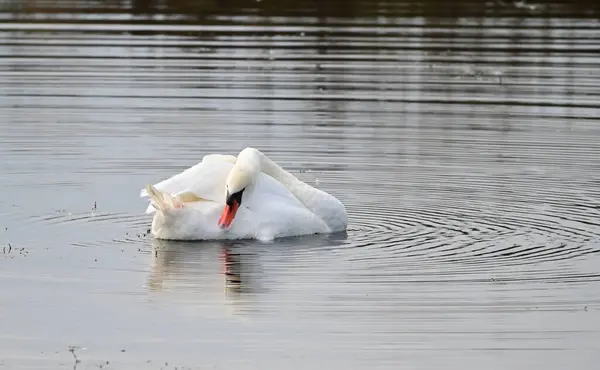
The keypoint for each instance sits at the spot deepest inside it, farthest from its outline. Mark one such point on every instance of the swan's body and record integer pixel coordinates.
(274, 203)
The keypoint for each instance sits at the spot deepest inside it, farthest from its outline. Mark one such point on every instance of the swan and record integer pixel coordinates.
(243, 197)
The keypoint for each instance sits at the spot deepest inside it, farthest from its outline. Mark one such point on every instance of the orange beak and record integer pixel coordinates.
(228, 215)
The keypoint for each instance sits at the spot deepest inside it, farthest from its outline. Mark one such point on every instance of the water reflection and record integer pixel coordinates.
(239, 269)
(190, 262)
(205, 10)
(315, 71)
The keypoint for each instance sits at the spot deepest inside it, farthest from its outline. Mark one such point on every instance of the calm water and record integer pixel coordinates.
(463, 140)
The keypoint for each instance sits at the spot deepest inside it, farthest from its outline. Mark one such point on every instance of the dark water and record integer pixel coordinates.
(463, 140)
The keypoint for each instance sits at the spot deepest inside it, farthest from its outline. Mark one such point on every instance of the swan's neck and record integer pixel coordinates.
(300, 189)
(323, 205)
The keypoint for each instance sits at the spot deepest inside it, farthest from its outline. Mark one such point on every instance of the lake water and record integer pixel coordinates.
(463, 140)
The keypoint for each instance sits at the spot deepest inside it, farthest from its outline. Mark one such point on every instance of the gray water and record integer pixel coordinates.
(462, 138)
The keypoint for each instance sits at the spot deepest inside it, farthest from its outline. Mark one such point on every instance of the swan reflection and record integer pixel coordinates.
(231, 272)
(190, 264)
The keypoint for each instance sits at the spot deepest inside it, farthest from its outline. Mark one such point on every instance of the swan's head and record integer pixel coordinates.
(241, 176)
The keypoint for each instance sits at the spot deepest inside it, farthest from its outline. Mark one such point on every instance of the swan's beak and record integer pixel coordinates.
(232, 203)
(228, 214)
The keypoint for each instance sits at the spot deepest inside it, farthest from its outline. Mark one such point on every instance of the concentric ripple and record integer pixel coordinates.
(473, 234)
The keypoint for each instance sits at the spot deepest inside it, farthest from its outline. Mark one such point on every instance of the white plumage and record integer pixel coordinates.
(275, 203)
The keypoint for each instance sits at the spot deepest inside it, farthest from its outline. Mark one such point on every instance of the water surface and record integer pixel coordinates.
(463, 141)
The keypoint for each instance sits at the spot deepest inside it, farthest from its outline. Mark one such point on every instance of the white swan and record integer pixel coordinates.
(248, 197)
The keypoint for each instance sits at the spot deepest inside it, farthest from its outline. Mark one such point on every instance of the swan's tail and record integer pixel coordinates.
(162, 201)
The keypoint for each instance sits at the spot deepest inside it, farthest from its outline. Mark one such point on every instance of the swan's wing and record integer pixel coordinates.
(275, 212)
(283, 211)
(205, 179)
(219, 158)
(186, 179)
(269, 190)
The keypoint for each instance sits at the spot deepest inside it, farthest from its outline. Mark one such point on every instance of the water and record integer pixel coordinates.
(462, 139)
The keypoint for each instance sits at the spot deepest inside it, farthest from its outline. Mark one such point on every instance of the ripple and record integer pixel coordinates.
(472, 239)
(64, 217)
